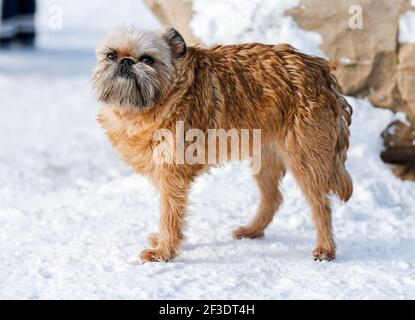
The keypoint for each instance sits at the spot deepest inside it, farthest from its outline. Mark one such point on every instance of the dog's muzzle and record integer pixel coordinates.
(125, 67)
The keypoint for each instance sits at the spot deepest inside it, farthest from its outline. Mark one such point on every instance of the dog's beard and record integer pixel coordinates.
(127, 87)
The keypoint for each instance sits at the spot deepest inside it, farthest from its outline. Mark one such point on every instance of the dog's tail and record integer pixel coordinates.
(341, 183)
(320, 71)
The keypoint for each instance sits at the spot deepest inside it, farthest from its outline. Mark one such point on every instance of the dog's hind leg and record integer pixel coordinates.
(268, 180)
(310, 158)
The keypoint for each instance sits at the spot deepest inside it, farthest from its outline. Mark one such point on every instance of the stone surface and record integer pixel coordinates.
(399, 143)
(366, 58)
(370, 62)
(406, 77)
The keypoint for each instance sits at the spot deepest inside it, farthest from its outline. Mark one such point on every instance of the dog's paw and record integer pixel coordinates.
(321, 254)
(154, 239)
(246, 232)
(155, 255)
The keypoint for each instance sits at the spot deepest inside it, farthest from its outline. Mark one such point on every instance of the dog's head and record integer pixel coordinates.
(136, 68)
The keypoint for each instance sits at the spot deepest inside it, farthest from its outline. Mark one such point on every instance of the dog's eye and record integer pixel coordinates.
(147, 60)
(112, 56)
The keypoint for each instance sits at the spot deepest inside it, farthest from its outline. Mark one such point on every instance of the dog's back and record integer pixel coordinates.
(277, 87)
(313, 80)
(297, 103)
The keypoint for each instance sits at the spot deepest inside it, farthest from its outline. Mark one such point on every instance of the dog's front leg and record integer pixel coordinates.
(174, 193)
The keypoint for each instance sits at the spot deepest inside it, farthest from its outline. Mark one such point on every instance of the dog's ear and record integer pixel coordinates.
(175, 41)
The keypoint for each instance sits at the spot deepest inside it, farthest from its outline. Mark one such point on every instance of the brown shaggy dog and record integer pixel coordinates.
(147, 81)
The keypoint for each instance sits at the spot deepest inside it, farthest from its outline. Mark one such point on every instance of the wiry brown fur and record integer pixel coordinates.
(292, 97)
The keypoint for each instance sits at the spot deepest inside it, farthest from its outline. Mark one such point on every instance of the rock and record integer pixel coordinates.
(406, 78)
(399, 143)
(370, 63)
(381, 86)
(366, 58)
(176, 13)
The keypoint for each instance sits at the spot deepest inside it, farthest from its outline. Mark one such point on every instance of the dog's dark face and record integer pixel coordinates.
(135, 68)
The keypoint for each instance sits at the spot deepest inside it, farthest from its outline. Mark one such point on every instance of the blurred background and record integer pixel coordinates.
(73, 217)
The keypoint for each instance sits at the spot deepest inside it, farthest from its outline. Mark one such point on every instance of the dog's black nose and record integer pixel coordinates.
(128, 62)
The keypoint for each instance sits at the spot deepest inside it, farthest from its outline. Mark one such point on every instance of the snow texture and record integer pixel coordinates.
(230, 21)
(73, 217)
(407, 27)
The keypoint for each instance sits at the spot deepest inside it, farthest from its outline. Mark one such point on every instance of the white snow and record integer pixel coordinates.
(407, 27)
(402, 117)
(84, 21)
(73, 218)
(230, 21)
(346, 61)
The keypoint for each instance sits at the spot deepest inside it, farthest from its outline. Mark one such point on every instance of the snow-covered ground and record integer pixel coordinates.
(73, 218)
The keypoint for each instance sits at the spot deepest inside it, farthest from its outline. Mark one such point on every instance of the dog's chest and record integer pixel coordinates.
(132, 138)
